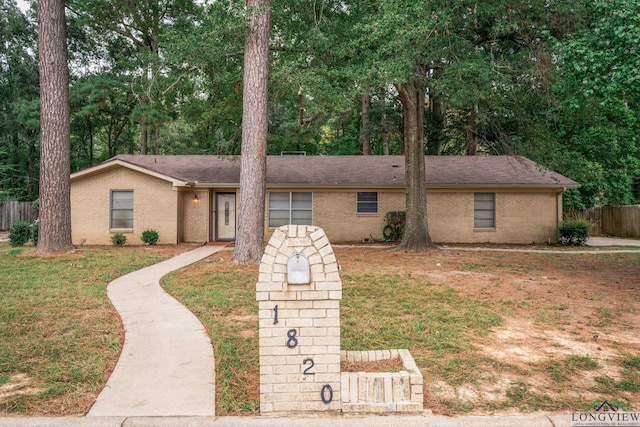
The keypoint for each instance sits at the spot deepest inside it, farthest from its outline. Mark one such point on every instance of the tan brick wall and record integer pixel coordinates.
(196, 215)
(336, 213)
(155, 207)
(180, 218)
(521, 217)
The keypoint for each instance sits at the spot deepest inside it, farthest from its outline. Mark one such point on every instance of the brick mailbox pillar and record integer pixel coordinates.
(298, 293)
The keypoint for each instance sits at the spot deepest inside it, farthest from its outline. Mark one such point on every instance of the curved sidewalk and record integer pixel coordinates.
(166, 367)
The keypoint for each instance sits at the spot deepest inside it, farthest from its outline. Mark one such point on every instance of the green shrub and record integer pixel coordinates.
(394, 229)
(150, 237)
(35, 229)
(574, 232)
(118, 239)
(19, 233)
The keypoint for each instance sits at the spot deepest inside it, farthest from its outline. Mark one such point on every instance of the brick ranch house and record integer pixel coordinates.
(470, 199)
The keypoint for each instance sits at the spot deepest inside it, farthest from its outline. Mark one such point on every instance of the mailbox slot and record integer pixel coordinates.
(298, 271)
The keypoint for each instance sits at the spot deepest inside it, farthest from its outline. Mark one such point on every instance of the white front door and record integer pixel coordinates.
(225, 216)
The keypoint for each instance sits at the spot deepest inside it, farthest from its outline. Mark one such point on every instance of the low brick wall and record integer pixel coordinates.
(381, 391)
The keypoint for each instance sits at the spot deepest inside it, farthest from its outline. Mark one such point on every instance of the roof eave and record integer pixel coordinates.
(560, 187)
(335, 186)
(196, 184)
(401, 186)
(114, 163)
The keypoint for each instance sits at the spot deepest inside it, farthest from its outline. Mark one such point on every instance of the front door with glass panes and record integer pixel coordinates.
(225, 216)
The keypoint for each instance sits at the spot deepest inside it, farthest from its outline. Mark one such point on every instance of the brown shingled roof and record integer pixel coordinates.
(361, 171)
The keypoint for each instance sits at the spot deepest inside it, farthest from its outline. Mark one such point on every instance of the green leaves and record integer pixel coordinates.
(605, 57)
(556, 81)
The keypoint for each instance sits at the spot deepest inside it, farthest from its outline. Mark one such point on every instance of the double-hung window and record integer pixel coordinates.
(367, 202)
(290, 208)
(484, 210)
(121, 209)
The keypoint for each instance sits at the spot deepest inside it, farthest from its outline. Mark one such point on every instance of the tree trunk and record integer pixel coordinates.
(416, 233)
(385, 134)
(33, 160)
(253, 170)
(384, 123)
(91, 142)
(472, 139)
(55, 164)
(156, 139)
(365, 134)
(436, 122)
(144, 137)
(300, 107)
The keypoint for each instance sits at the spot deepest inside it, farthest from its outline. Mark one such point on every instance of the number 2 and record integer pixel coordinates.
(307, 371)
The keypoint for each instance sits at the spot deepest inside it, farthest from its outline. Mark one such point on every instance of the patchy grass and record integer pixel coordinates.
(627, 380)
(435, 322)
(564, 370)
(490, 331)
(447, 309)
(60, 336)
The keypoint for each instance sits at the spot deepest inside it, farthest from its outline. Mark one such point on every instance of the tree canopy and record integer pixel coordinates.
(556, 81)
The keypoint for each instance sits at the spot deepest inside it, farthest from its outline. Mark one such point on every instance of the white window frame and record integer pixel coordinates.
(120, 205)
(484, 210)
(363, 206)
(290, 209)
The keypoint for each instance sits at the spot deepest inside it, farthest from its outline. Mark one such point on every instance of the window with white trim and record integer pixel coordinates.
(290, 208)
(121, 209)
(484, 210)
(367, 202)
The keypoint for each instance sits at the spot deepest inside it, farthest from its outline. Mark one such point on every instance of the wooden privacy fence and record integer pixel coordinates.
(13, 211)
(620, 221)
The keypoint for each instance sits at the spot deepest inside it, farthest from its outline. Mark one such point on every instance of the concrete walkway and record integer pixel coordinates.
(166, 367)
(427, 420)
(609, 244)
(611, 241)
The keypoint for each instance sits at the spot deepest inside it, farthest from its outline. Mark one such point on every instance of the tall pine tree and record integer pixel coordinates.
(55, 201)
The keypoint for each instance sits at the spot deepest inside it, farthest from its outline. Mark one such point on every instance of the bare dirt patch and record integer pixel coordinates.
(18, 384)
(569, 323)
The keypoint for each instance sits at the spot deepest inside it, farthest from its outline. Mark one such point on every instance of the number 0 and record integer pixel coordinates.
(323, 394)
